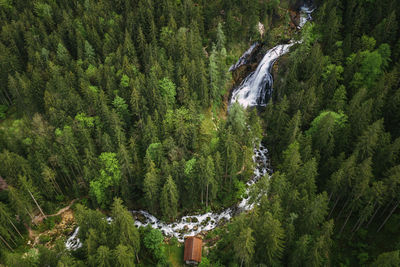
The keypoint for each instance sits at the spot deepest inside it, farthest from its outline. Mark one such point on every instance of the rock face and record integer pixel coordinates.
(299, 14)
(246, 63)
(300, 3)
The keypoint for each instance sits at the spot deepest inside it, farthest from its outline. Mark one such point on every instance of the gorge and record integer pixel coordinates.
(254, 90)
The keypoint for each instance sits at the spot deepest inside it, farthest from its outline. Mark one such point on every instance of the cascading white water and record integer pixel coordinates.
(256, 87)
(250, 93)
(73, 242)
(243, 59)
(195, 224)
(305, 15)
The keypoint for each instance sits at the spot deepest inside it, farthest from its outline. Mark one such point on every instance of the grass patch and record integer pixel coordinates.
(174, 253)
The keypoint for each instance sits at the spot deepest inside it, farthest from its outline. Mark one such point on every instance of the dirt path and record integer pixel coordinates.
(39, 218)
(67, 221)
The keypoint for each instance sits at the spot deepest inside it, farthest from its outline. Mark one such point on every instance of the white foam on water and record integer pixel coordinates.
(256, 88)
(190, 225)
(251, 92)
(243, 59)
(194, 224)
(73, 242)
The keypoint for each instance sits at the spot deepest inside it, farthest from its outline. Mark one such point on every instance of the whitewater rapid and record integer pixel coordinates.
(191, 225)
(194, 224)
(255, 89)
(257, 86)
(244, 58)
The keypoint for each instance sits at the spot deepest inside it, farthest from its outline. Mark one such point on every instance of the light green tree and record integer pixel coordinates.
(109, 177)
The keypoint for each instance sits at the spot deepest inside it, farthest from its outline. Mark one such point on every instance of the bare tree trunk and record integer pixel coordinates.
(345, 205)
(56, 186)
(207, 196)
(387, 206)
(137, 258)
(390, 214)
(361, 220)
(373, 216)
(355, 225)
(11, 237)
(334, 206)
(348, 216)
(16, 229)
(5, 242)
(202, 195)
(8, 97)
(30, 215)
(37, 204)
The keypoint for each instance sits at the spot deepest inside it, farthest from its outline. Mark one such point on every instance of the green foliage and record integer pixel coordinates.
(121, 107)
(372, 66)
(126, 98)
(42, 10)
(84, 120)
(3, 110)
(169, 199)
(153, 241)
(388, 259)
(339, 119)
(168, 91)
(124, 257)
(123, 229)
(189, 166)
(44, 239)
(244, 245)
(154, 152)
(109, 176)
(204, 262)
(237, 119)
(124, 82)
(151, 186)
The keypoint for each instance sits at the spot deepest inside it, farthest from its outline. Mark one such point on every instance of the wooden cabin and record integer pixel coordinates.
(192, 254)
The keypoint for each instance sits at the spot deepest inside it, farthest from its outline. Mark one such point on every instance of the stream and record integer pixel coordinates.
(255, 90)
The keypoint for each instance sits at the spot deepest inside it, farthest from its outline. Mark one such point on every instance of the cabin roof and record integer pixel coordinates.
(193, 246)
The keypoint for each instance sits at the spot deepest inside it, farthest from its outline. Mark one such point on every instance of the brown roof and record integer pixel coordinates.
(3, 184)
(192, 249)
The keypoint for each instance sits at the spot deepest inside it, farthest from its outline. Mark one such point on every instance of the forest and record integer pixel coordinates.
(112, 106)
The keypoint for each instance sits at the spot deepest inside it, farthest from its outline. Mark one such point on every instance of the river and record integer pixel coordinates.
(255, 90)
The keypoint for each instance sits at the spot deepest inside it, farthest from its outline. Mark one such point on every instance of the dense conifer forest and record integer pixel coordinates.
(112, 106)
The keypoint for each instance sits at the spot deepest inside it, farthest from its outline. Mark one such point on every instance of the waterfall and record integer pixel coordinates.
(73, 242)
(244, 58)
(252, 91)
(257, 87)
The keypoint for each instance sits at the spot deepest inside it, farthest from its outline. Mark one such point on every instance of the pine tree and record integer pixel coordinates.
(124, 230)
(209, 177)
(169, 199)
(269, 239)
(124, 257)
(151, 185)
(244, 246)
(103, 257)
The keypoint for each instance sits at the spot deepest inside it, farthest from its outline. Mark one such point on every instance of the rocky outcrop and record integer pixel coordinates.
(247, 63)
(299, 3)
